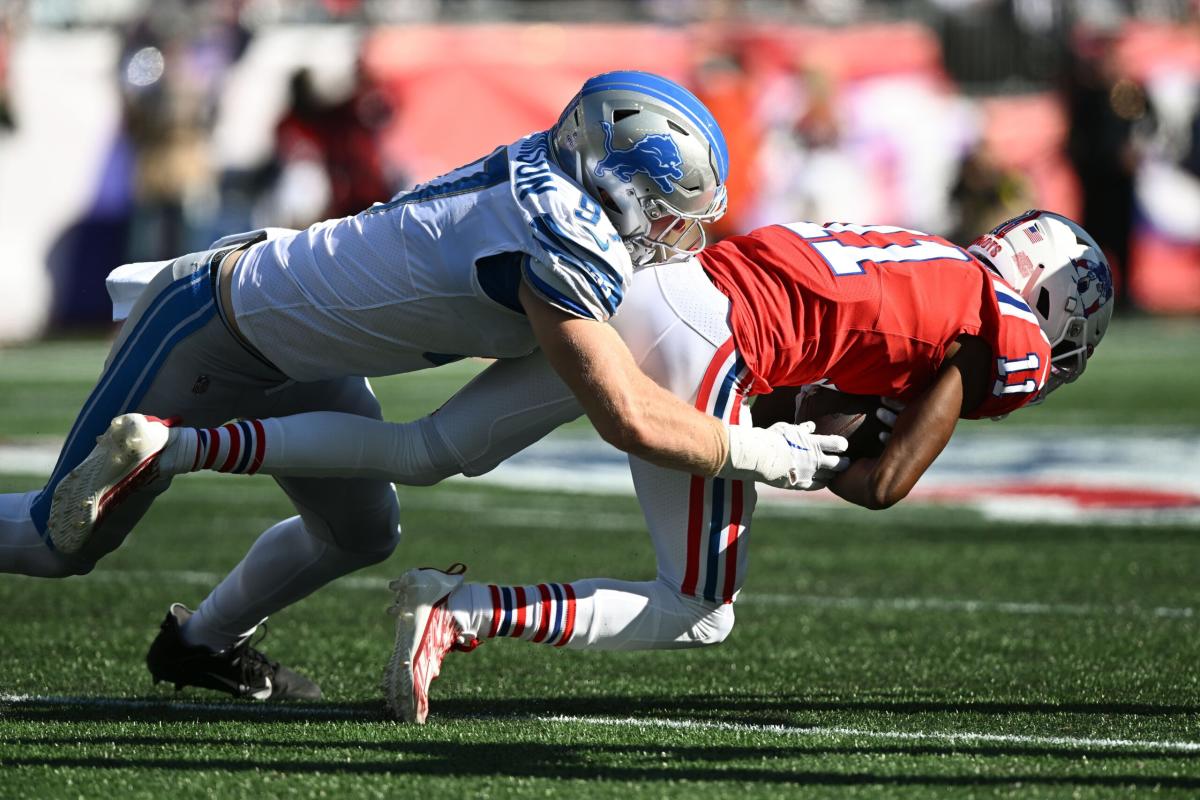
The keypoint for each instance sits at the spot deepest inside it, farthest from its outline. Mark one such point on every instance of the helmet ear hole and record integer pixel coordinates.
(1043, 303)
(607, 201)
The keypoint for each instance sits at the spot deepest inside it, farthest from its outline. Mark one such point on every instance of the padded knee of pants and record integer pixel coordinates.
(67, 566)
(714, 622)
(371, 530)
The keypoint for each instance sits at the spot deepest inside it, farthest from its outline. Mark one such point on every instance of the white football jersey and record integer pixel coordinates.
(433, 274)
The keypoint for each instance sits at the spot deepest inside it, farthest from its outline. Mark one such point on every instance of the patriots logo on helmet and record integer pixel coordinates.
(656, 154)
(1095, 284)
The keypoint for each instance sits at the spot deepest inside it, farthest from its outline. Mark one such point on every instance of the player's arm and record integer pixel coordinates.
(636, 415)
(628, 409)
(921, 431)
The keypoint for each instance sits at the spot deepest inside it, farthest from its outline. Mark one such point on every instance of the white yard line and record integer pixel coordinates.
(650, 723)
(915, 604)
(966, 606)
(864, 733)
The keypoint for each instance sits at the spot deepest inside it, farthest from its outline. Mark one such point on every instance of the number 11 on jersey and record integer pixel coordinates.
(846, 259)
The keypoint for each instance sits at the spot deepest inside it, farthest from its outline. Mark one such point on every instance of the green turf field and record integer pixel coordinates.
(910, 653)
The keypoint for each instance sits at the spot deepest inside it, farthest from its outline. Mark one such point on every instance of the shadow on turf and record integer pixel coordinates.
(746, 710)
(695, 753)
(438, 754)
(537, 760)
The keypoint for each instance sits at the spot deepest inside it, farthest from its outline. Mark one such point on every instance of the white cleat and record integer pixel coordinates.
(124, 459)
(425, 633)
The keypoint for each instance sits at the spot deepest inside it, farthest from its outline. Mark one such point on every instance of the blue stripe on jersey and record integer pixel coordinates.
(605, 300)
(493, 172)
(553, 295)
(716, 524)
(179, 311)
(606, 285)
(673, 95)
(599, 271)
(1012, 301)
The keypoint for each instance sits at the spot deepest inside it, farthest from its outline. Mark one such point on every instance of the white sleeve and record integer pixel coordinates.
(583, 278)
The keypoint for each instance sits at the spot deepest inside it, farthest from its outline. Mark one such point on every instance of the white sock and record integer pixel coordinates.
(23, 551)
(316, 444)
(597, 613)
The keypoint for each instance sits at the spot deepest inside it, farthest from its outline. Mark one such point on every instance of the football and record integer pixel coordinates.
(842, 414)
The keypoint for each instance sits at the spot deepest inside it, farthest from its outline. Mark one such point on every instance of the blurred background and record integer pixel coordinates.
(133, 130)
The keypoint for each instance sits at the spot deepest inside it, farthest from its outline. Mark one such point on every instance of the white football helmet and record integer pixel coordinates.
(652, 155)
(1063, 275)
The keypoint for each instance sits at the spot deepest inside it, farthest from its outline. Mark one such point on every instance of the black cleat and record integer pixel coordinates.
(241, 671)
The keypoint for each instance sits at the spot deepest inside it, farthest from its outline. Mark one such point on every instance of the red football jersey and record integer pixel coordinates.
(871, 310)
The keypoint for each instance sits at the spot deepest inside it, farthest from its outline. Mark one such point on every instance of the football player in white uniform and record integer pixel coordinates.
(983, 333)
(530, 246)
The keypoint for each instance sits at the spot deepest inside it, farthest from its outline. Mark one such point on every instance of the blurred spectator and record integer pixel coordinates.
(723, 85)
(7, 120)
(156, 195)
(984, 195)
(806, 169)
(1103, 106)
(173, 63)
(1166, 251)
(328, 153)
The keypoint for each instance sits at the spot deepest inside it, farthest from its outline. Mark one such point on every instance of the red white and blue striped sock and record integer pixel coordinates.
(544, 613)
(234, 447)
(591, 613)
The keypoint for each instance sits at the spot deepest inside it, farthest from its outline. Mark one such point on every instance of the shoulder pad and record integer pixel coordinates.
(571, 237)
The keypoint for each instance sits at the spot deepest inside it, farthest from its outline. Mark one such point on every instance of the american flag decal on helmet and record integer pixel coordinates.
(1033, 233)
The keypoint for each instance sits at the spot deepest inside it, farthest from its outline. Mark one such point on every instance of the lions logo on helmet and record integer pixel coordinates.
(655, 154)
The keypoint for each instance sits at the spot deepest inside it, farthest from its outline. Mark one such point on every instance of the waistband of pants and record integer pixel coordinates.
(214, 281)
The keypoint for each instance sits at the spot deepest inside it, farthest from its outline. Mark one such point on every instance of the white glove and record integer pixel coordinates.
(783, 455)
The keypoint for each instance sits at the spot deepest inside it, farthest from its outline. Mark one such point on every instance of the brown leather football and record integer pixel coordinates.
(849, 415)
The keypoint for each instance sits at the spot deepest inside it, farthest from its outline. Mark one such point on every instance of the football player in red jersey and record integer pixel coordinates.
(869, 309)
(901, 314)
(873, 310)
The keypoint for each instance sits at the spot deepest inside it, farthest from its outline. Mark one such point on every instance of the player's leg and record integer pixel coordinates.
(172, 336)
(504, 409)
(674, 323)
(342, 525)
(676, 328)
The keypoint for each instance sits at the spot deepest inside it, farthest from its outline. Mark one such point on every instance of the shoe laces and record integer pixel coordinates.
(252, 662)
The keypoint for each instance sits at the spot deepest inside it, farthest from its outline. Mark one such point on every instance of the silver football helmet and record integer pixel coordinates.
(1065, 279)
(652, 155)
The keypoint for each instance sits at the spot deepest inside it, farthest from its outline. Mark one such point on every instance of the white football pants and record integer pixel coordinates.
(675, 322)
(175, 357)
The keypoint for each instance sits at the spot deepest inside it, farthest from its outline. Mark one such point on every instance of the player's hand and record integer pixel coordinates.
(784, 455)
(889, 409)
